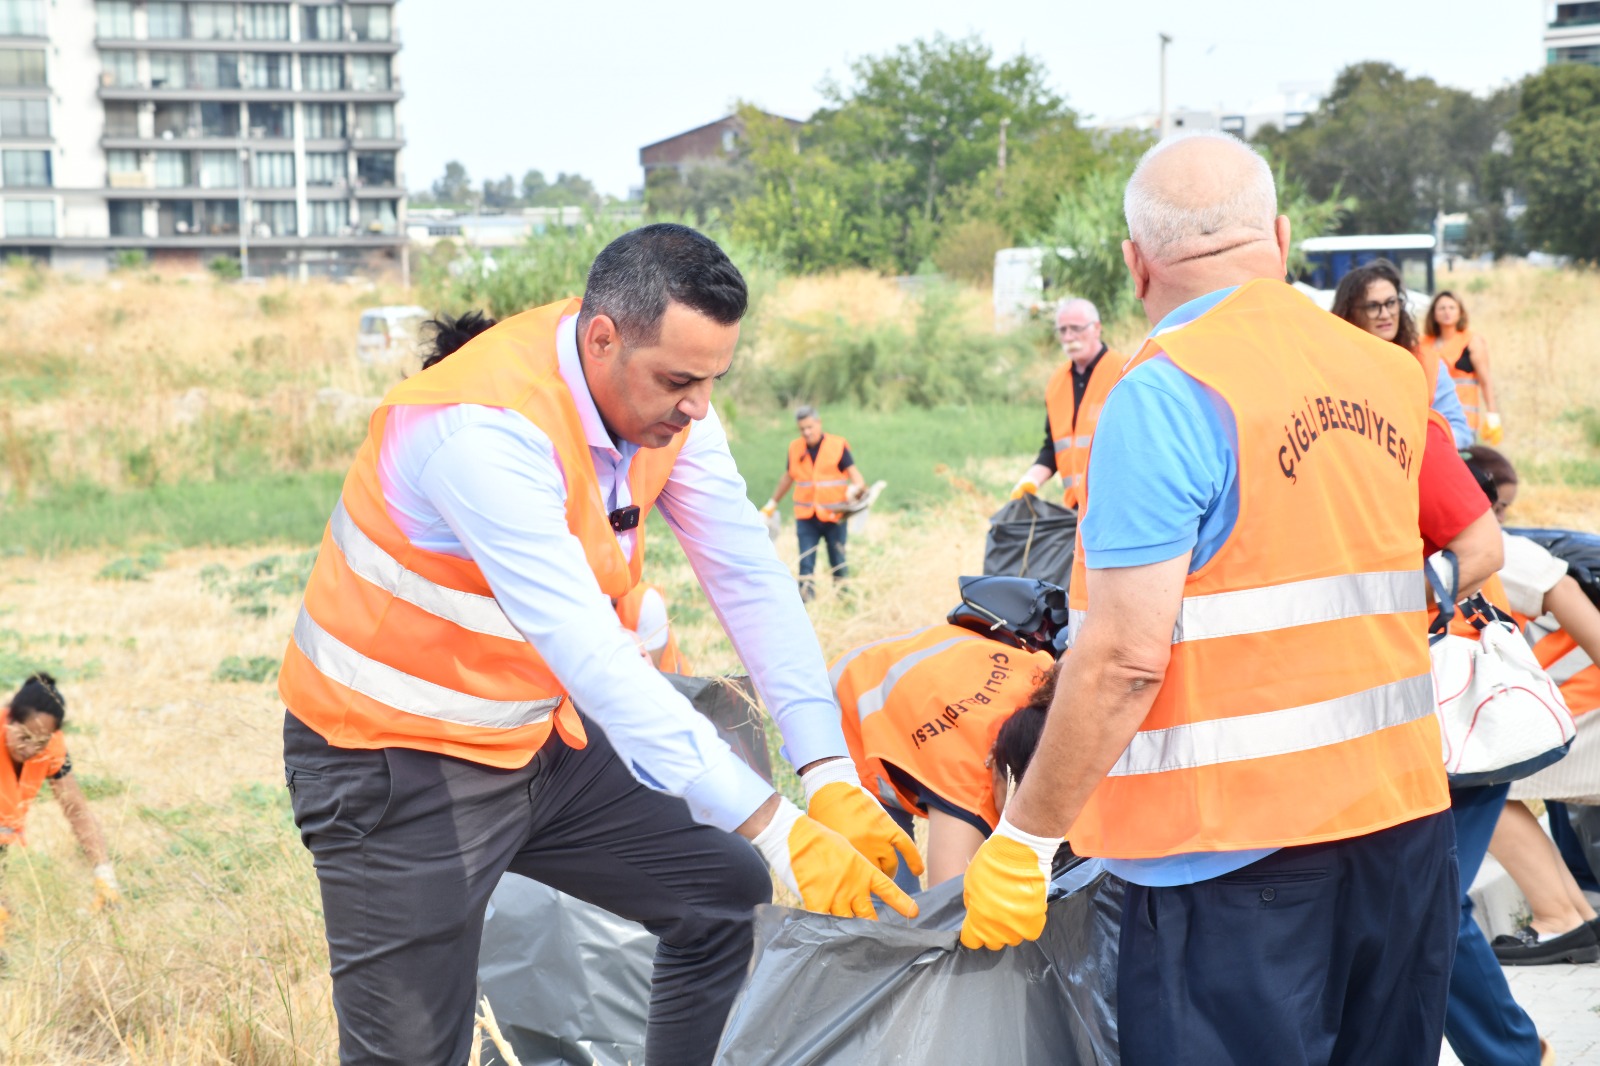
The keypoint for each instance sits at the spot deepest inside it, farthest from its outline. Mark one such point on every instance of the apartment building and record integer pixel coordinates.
(262, 131)
(1572, 33)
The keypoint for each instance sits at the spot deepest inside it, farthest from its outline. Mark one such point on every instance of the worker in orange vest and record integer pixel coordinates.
(1072, 400)
(1244, 731)
(825, 476)
(1465, 354)
(36, 752)
(461, 610)
(923, 710)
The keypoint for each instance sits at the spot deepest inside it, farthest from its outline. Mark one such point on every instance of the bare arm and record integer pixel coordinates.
(1038, 473)
(1576, 614)
(951, 845)
(75, 805)
(1105, 690)
(1480, 553)
(1480, 367)
(783, 487)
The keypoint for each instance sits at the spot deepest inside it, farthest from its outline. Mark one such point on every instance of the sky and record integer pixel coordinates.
(506, 86)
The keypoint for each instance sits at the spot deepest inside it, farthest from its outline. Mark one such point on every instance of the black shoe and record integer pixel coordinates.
(1525, 948)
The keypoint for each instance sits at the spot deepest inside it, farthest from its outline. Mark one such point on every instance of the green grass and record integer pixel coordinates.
(903, 447)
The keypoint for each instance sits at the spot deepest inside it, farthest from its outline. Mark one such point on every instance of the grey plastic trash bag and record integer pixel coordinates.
(730, 703)
(569, 982)
(1030, 537)
(849, 991)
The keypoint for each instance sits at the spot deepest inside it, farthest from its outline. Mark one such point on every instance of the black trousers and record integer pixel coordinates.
(1335, 953)
(408, 847)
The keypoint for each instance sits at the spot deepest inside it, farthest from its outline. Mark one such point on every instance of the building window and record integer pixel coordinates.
(172, 170)
(265, 22)
(30, 218)
(174, 218)
(328, 218)
(375, 168)
(321, 23)
(377, 216)
(375, 120)
(326, 168)
(369, 22)
(275, 218)
(122, 119)
(1581, 54)
(127, 218)
(321, 73)
(119, 69)
(168, 70)
(24, 118)
(219, 170)
(218, 216)
(324, 121)
(122, 161)
(369, 73)
(25, 169)
(113, 20)
(272, 120)
(216, 70)
(219, 120)
(165, 20)
(211, 22)
(174, 120)
(274, 170)
(22, 66)
(22, 18)
(1576, 15)
(268, 70)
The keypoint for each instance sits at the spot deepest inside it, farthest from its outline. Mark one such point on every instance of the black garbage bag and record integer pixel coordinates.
(850, 991)
(1580, 551)
(1030, 537)
(569, 982)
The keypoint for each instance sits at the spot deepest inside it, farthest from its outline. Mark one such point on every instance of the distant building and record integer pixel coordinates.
(1285, 109)
(1573, 34)
(190, 130)
(714, 142)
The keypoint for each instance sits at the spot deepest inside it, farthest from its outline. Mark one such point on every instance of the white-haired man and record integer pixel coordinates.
(1072, 401)
(1244, 730)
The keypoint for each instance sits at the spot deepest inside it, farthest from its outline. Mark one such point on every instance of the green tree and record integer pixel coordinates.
(1084, 244)
(455, 186)
(1556, 156)
(702, 192)
(799, 209)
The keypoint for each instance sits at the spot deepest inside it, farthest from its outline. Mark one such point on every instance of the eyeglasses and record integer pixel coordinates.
(1075, 331)
(1387, 307)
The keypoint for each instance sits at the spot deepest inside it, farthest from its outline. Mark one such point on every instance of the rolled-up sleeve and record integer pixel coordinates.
(752, 592)
(498, 485)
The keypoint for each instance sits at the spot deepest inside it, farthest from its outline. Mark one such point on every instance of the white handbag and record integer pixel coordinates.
(1501, 716)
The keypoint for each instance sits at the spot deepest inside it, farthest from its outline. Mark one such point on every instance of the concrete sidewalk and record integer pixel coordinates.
(1564, 1002)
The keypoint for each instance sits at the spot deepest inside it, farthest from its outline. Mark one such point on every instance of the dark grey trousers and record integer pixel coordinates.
(408, 847)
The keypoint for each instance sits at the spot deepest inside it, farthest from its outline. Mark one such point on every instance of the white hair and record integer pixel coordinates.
(1157, 218)
(1078, 302)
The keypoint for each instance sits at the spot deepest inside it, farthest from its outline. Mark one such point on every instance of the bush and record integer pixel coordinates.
(132, 568)
(128, 259)
(257, 668)
(225, 268)
(966, 251)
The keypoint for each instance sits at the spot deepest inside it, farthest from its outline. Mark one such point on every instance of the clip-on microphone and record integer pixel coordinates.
(624, 518)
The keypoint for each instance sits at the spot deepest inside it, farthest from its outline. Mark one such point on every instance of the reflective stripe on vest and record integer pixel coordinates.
(400, 690)
(871, 701)
(1569, 666)
(1295, 603)
(839, 667)
(1256, 736)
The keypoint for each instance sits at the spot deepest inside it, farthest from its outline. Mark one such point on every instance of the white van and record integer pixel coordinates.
(389, 334)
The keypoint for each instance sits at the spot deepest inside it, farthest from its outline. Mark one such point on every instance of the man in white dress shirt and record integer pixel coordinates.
(461, 607)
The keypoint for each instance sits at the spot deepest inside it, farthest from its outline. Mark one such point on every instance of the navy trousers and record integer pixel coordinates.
(1484, 1024)
(1570, 846)
(812, 534)
(1335, 953)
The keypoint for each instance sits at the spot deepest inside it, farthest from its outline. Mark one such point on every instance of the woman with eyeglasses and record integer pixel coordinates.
(1465, 355)
(1372, 297)
(36, 752)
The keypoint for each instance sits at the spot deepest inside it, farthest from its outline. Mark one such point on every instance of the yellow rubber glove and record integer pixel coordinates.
(1024, 488)
(106, 891)
(769, 509)
(1005, 888)
(5, 919)
(1490, 431)
(821, 867)
(835, 798)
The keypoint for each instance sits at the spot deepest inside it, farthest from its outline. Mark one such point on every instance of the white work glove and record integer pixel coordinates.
(1490, 431)
(769, 508)
(107, 893)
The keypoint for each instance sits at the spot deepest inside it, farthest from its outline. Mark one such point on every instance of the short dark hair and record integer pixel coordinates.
(39, 695)
(1353, 287)
(446, 335)
(1431, 323)
(1488, 465)
(638, 274)
(1018, 736)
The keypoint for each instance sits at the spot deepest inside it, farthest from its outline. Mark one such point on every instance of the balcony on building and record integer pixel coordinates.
(1584, 14)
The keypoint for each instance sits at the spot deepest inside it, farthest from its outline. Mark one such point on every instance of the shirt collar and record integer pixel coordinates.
(1186, 313)
(1088, 367)
(571, 367)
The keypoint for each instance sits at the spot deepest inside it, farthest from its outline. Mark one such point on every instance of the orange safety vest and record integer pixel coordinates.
(672, 660)
(1298, 703)
(17, 789)
(1568, 665)
(819, 486)
(1071, 438)
(396, 646)
(929, 704)
(1449, 352)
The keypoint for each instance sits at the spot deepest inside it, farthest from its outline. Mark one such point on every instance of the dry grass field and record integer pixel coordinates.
(216, 953)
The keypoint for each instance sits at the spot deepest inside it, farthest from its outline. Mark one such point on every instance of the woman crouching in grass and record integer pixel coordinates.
(36, 752)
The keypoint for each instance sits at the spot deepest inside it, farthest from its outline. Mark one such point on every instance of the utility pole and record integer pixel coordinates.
(1165, 124)
(244, 220)
(1000, 179)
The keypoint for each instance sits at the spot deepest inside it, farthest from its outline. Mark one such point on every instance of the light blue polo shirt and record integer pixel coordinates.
(1165, 472)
